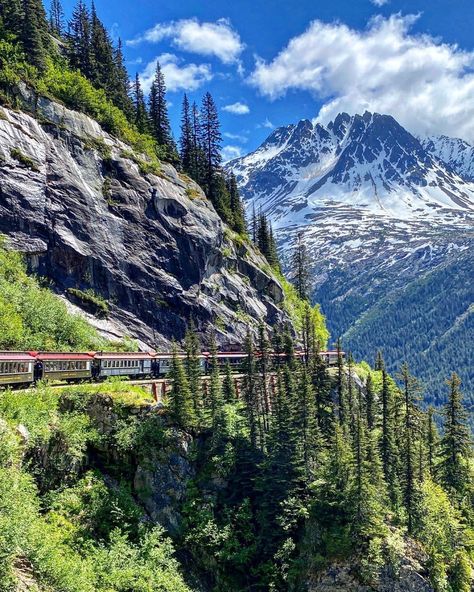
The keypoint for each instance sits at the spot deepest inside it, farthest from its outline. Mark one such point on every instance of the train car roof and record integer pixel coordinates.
(61, 356)
(16, 357)
(122, 355)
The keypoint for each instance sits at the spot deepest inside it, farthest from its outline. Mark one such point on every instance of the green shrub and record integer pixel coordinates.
(90, 298)
(26, 161)
(32, 318)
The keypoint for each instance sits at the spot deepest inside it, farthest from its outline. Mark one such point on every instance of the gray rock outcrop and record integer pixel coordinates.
(80, 205)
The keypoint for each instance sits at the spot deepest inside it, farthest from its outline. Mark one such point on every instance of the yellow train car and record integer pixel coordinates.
(16, 368)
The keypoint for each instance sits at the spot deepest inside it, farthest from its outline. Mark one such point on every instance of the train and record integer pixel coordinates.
(21, 369)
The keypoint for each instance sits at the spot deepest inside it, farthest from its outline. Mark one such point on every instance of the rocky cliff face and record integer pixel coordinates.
(83, 208)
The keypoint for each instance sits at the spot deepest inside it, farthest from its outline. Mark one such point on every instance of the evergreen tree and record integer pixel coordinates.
(340, 385)
(197, 168)
(159, 120)
(379, 362)
(34, 34)
(186, 141)
(236, 207)
(181, 402)
(210, 141)
(56, 18)
(432, 442)
(249, 389)
(322, 389)
(456, 444)
(79, 40)
(119, 92)
(410, 389)
(229, 391)
(370, 402)
(215, 392)
(301, 268)
(140, 115)
(265, 368)
(12, 17)
(388, 447)
(102, 56)
(193, 370)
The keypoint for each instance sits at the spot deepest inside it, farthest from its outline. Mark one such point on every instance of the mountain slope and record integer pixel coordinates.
(384, 215)
(93, 217)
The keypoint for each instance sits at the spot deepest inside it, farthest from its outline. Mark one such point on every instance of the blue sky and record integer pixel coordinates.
(272, 63)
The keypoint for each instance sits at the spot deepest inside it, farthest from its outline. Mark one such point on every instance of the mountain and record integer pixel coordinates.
(388, 221)
(112, 235)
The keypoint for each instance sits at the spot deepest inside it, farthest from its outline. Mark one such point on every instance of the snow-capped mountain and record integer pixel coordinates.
(381, 211)
(368, 162)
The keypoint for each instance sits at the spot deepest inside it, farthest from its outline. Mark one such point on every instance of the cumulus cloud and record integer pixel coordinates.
(230, 152)
(178, 76)
(426, 84)
(380, 2)
(237, 108)
(217, 39)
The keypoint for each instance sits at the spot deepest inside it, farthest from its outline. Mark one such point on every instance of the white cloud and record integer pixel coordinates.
(237, 108)
(380, 2)
(267, 123)
(237, 137)
(216, 39)
(230, 152)
(178, 77)
(426, 84)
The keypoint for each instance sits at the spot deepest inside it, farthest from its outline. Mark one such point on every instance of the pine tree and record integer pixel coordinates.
(140, 116)
(121, 83)
(159, 120)
(236, 207)
(432, 442)
(197, 168)
(301, 268)
(215, 400)
(410, 389)
(56, 18)
(229, 391)
(340, 386)
(456, 444)
(249, 389)
(186, 141)
(79, 40)
(193, 370)
(322, 389)
(180, 400)
(35, 34)
(210, 140)
(370, 402)
(102, 55)
(379, 362)
(264, 367)
(12, 17)
(388, 449)
(306, 425)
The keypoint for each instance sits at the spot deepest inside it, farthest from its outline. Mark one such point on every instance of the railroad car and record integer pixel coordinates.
(70, 367)
(108, 364)
(16, 368)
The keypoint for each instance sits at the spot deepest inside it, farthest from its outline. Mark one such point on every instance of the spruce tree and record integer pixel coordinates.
(236, 207)
(102, 55)
(432, 442)
(56, 18)
(215, 400)
(121, 83)
(34, 34)
(79, 40)
(301, 268)
(410, 390)
(193, 370)
(186, 142)
(140, 115)
(159, 120)
(388, 448)
(340, 386)
(210, 141)
(456, 445)
(370, 402)
(249, 389)
(12, 17)
(180, 399)
(229, 391)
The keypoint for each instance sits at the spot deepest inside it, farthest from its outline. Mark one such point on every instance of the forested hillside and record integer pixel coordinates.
(427, 323)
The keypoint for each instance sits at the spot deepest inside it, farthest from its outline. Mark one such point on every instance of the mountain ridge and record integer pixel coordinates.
(379, 210)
